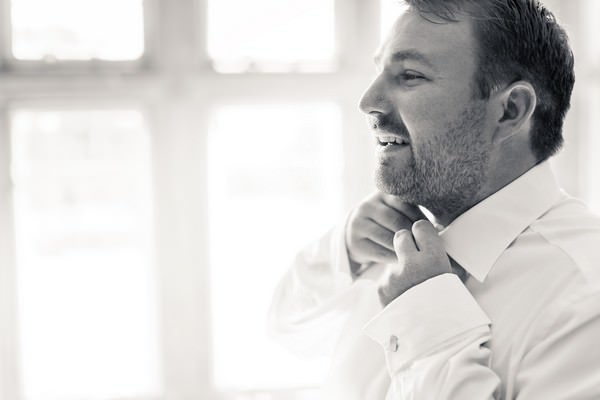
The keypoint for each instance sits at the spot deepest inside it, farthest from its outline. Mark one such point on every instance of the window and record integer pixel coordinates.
(85, 277)
(588, 88)
(271, 36)
(275, 184)
(591, 51)
(77, 29)
(150, 154)
(390, 9)
(122, 182)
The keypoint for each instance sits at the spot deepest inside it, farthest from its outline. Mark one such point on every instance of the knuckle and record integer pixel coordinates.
(366, 207)
(350, 234)
(358, 245)
(359, 211)
(392, 200)
(356, 225)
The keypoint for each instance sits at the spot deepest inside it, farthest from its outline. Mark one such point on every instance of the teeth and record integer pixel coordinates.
(391, 140)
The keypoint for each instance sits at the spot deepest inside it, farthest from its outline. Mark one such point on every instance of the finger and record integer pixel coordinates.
(378, 234)
(390, 218)
(368, 227)
(426, 236)
(404, 242)
(410, 210)
(373, 252)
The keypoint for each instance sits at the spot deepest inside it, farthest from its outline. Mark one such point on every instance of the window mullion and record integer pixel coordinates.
(200, 34)
(9, 371)
(181, 195)
(357, 25)
(5, 33)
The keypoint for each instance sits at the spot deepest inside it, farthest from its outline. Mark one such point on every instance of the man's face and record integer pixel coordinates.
(424, 101)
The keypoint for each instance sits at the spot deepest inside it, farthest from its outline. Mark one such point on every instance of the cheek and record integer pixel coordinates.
(427, 112)
(425, 117)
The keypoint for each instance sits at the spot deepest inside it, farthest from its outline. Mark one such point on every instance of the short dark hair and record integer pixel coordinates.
(517, 40)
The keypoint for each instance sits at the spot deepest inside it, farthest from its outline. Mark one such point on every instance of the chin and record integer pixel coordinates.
(395, 185)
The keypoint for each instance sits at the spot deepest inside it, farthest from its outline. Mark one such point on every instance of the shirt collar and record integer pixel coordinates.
(477, 237)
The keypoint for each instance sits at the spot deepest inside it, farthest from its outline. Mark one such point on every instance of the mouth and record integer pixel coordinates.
(390, 141)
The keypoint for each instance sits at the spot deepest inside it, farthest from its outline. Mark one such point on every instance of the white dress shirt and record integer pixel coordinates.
(524, 325)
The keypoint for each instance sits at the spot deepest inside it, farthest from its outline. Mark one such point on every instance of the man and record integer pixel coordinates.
(498, 297)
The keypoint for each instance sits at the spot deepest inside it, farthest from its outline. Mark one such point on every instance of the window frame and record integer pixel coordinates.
(13, 66)
(176, 85)
(64, 103)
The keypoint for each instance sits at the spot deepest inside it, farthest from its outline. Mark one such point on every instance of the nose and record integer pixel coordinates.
(374, 100)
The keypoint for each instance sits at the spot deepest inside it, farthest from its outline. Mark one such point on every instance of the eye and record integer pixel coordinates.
(410, 77)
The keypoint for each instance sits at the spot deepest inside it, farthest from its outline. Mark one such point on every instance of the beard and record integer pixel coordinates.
(446, 171)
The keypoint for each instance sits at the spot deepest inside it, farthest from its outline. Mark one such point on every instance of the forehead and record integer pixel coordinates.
(441, 46)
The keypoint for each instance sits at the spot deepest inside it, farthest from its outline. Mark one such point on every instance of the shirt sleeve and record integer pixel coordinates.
(435, 339)
(314, 297)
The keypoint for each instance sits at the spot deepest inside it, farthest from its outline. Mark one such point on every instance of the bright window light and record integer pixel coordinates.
(110, 30)
(589, 95)
(85, 277)
(271, 35)
(592, 11)
(593, 125)
(274, 185)
(390, 11)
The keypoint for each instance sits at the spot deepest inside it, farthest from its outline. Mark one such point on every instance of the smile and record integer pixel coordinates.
(391, 140)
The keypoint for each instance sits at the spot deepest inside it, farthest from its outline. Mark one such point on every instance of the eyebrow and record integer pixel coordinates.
(403, 55)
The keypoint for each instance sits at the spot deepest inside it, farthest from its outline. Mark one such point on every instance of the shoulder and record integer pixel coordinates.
(570, 233)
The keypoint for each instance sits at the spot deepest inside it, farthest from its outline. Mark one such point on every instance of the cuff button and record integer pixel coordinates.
(393, 344)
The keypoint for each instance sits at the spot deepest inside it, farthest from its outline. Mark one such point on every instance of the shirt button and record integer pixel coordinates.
(393, 344)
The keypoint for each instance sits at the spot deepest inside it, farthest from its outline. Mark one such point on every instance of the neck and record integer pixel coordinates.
(504, 168)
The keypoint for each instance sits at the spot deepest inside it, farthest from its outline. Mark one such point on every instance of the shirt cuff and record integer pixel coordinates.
(423, 318)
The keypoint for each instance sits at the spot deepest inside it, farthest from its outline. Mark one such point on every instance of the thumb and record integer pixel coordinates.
(404, 243)
(426, 237)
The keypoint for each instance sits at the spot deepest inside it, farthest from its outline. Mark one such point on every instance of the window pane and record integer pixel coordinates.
(592, 10)
(592, 124)
(390, 11)
(271, 35)
(587, 91)
(275, 185)
(83, 220)
(77, 29)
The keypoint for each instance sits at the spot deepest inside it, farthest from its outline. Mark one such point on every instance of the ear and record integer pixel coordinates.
(516, 104)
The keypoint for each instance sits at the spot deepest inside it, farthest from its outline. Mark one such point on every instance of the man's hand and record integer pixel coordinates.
(421, 256)
(371, 227)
